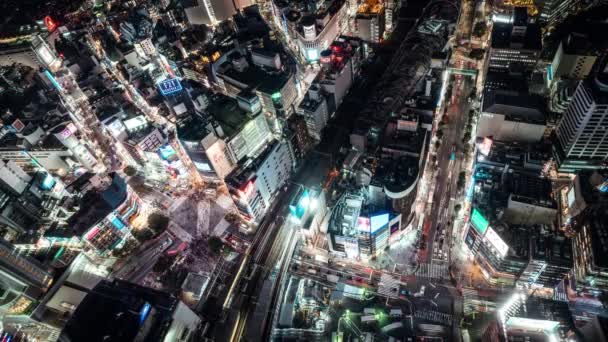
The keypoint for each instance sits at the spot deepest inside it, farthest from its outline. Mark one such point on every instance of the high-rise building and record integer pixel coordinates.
(574, 58)
(370, 21)
(581, 135)
(22, 279)
(511, 117)
(314, 110)
(515, 44)
(212, 12)
(254, 185)
(591, 251)
(121, 311)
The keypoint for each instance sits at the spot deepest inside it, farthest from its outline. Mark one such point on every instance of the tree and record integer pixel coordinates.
(215, 244)
(477, 53)
(130, 171)
(457, 208)
(437, 144)
(142, 235)
(461, 179)
(158, 222)
(439, 134)
(479, 29)
(163, 263)
(467, 137)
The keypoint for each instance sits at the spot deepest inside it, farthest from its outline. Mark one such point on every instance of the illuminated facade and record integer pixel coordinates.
(254, 185)
(313, 32)
(581, 142)
(591, 252)
(107, 220)
(370, 21)
(22, 280)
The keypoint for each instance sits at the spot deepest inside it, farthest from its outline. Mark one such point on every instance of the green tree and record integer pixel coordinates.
(130, 171)
(163, 263)
(439, 134)
(479, 29)
(158, 222)
(457, 208)
(477, 53)
(461, 179)
(215, 244)
(142, 235)
(437, 144)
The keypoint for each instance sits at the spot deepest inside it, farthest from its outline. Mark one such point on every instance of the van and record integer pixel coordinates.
(396, 313)
(421, 292)
(368, 319)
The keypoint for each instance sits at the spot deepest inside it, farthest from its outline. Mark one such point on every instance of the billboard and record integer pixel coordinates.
(571, 197)
(169, 86)
(479, 222)
(485, 146)
(363, 224)
(166, 152)
(48, 182)
(378, 221)
(299, 209)
(496, 242)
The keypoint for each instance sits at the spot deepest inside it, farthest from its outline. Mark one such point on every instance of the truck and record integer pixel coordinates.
(333, 278)
(321, 258)
(385, 329)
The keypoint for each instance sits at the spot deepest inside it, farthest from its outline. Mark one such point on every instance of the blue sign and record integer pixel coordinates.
(53, 80)
(48, 183)
(170, 86)
(143, 314)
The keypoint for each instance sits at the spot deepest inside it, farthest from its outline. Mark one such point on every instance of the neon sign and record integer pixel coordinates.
(50, 24)
(170, 86)
(479, 222)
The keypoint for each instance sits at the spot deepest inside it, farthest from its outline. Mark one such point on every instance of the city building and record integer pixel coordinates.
(106, 220)
(228, 134)
(239, 70)
(590, 252)
(314, 110)
(573, 59)
(370, 21)
(341, 64)
(22, 280)
(510, 229)
(312, 29)
(127, 312)
(580, 142)
(254, 184)
(515, 45)
(529, 318)
(298, 138)
(212, 12)
(512, 117)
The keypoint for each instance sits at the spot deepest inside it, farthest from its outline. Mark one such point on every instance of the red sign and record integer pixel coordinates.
(51, 25)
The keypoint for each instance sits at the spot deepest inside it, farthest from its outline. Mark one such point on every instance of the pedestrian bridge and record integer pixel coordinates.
(466, 72)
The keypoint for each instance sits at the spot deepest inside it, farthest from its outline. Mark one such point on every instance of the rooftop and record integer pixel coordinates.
(502, 39)
(98, 204)
(515, 107)
(121, 311)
